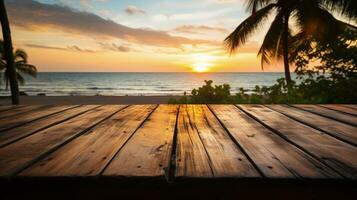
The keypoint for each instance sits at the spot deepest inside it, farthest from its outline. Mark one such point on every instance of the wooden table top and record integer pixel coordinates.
(172, 142)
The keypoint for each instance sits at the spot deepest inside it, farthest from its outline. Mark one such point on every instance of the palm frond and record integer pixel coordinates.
(27, 69)
(20, 54)
(254, 5)
(2, 64)
(347, 8)
(318, 22)
(271, 42)
(240, 35)
(297, 43)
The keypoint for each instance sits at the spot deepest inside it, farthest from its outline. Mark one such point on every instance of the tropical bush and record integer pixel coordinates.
(332, 80)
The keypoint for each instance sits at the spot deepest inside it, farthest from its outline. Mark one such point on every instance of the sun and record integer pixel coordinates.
(202, 62)
(200, 67)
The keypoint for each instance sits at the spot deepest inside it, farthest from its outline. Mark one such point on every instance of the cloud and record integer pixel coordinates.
(44, 47)
(239, 2)
(76, 48)
(115, 47)
(199, 29)
(41, 17)
(132, 10)
(203, 15)
(68, 48)
(88, 3)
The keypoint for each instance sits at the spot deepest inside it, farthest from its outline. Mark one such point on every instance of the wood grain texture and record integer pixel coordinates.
(12, 122)
(333, 152)
(9, 136)
(22, 153)
(19, 110)
(148, 152)
(340, 130)
(204, 148)
(9, 107)
(341, 108)
(88, 154)
(353, 106)
(349, 119)
(275, 157)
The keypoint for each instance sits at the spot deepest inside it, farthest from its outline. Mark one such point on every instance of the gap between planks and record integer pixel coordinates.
(327, 150)
(20, 160)
(20, 132)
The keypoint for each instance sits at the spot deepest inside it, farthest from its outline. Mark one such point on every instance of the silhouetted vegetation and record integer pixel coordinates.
(20, 63)
(8, 54)
(311, 18)
(333, 79)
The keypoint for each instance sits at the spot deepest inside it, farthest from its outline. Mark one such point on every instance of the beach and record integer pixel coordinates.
(88, 100)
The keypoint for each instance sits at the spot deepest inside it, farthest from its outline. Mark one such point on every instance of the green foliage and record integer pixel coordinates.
(206, 94)
(209, 94)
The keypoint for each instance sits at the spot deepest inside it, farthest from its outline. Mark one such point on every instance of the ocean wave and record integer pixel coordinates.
(99, 88)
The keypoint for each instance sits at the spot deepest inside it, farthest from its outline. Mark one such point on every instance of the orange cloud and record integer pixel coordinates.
(41, 17)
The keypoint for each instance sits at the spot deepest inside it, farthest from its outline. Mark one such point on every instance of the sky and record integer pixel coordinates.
(133, 35)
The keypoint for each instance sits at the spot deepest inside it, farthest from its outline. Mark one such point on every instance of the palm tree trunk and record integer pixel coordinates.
(9, 56)
(286, 49)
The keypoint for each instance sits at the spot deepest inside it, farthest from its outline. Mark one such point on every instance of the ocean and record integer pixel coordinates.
(136, 84)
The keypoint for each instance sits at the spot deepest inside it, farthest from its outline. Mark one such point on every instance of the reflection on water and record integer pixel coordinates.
(119, 84)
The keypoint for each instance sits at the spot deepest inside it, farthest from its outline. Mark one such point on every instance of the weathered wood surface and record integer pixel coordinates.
(10, 122)
(19, 155)
(352, 120)
(354, 106)
(88, 154)
(337, 154)
(15, 133)
(148, 152)
(271, 153)
(204, 148)
(9, 107)
(19, 111)
(337, 129)
(179, 141)
(341, 108)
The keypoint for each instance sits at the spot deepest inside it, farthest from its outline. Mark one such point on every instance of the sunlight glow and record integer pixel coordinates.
(200, 67)
(202, 62)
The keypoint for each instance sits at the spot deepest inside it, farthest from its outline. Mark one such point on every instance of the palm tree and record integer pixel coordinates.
(20, 63)
(312, 19)
(8, 54)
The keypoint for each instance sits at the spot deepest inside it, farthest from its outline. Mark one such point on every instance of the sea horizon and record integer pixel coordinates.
(138, 83)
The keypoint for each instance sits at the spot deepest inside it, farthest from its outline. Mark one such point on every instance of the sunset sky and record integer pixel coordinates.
(132, 35)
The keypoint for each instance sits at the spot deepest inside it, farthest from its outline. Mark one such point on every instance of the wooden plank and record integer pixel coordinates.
(275, 157)
(344, 132)
(333, 152)
(9, 107)
(341, 108)
(88, 154)
(147, 153)
(9, 136)
(22, 153)
(204, 148)
(353, 106)
(349, 119)
(30, 116)
(18, 111)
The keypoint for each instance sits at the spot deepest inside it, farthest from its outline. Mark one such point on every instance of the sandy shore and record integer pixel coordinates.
(69, 100)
